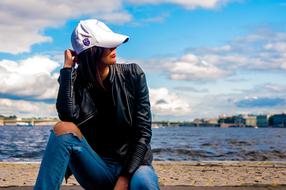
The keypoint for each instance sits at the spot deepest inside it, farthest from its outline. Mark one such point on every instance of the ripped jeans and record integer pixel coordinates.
(89, 169)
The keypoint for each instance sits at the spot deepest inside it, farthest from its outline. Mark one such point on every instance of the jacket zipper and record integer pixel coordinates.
(88, 118)
(128, 104)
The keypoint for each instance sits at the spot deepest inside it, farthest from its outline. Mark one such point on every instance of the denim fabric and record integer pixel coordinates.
(89, 169)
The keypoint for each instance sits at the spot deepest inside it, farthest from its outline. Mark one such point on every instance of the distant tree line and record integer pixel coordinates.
(8, 117)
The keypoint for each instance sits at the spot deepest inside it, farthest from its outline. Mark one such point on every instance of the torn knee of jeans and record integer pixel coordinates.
(63, 132)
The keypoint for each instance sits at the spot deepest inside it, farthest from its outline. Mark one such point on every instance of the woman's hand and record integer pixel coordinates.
(70, 58)
(122, 183)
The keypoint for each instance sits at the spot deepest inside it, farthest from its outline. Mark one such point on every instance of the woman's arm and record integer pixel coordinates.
(66, 106)
(142, 125)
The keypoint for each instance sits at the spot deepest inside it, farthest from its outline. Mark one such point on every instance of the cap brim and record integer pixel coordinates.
(112, 40)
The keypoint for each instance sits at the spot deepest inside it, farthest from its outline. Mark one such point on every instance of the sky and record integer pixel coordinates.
(202, 58)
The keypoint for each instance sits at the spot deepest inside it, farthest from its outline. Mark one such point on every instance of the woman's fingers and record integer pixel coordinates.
(70, 58)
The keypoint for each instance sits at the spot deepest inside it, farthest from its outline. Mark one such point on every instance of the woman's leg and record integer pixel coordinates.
(91, 171)
(66, 145)
(144, 178)
(56, 157)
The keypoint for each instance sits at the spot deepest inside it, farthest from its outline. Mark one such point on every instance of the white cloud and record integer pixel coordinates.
(191, 67)
(16, 40)
(261, 50)
(277, 46)
(30, 77)
(260, 55)
(267, 90)
(261, 98)
(22, 22)
(117, 17)
(26, 108)
(165, 103)
(189, 4)
(156, 19)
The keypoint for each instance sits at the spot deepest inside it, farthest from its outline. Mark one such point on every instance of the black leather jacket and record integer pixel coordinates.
(131, 99)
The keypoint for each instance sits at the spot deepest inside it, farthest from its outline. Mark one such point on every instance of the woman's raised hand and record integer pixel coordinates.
(70, 58)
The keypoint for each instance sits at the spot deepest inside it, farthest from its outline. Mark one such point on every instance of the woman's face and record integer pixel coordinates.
(109, 56)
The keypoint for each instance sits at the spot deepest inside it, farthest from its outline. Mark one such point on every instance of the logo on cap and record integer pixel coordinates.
(86, 42)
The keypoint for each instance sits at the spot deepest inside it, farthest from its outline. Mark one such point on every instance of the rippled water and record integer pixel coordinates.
(188, 144)
(209, 144)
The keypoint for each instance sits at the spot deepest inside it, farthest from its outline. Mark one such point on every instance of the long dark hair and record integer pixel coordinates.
(88, 67)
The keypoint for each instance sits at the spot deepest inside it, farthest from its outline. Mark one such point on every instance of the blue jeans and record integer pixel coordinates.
(90, 170)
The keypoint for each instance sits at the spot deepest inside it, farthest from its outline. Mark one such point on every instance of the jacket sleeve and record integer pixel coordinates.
(142, 125)
(66, 105)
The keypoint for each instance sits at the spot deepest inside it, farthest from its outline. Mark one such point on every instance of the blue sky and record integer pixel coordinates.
(202, 59)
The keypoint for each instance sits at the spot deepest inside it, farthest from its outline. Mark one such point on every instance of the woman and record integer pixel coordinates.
(105, 130)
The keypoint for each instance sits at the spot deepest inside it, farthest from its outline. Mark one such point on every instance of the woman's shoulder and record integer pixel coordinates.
(131, 68)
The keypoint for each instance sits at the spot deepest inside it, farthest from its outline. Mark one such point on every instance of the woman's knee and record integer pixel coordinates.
(144, 178)
(64, 127)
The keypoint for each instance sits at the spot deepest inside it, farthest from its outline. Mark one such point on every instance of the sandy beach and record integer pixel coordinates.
(174, 175)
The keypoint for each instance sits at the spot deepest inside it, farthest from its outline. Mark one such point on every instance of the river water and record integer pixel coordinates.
(19, 143)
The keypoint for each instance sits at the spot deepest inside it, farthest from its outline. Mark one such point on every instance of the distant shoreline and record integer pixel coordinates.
(154, 125)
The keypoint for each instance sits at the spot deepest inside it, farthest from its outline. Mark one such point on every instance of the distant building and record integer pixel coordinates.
(228, 120)
(212, 121)
(278, 120)
(250, 121)
(240, 120)
(262, 121)
(232, 121)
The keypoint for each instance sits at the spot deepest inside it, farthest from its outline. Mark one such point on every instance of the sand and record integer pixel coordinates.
(174, 175)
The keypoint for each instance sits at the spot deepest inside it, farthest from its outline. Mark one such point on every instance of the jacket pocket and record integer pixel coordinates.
(87, 109)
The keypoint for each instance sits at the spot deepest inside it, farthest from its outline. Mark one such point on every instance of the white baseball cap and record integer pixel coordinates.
(92, 32)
